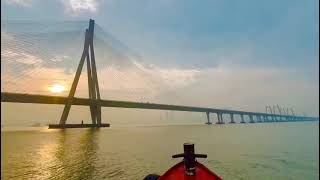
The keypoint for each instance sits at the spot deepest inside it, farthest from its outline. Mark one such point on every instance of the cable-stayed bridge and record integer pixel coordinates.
(95, 102)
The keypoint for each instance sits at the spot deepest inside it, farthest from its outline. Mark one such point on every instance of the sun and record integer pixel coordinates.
(56, 88)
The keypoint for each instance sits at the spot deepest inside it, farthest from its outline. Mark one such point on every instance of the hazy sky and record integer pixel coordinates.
(229, 54)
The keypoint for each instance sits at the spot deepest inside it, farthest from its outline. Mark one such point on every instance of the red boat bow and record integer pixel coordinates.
(188, 169)
(177, 172)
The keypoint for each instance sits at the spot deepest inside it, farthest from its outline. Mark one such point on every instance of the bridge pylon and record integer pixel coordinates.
(93, 85)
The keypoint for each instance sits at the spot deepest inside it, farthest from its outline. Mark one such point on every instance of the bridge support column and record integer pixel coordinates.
(281, 118)
(220, 118)
(259, 118)
(264, 118)
(242, 119)
(251, 118)
(278, 118)
(208, 118)
(232, 119)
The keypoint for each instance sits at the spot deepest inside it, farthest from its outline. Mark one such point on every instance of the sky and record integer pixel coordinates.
(225, 54)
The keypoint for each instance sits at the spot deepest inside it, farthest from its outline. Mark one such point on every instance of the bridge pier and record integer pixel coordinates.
(264, 118)
(282, 118)
(278, 118)
(275, 118)
(208, 118)
(259, 118)
(251, 118)
(221, 115)
(242, 119)
(232, 119)
(287, 119)
(220, 118)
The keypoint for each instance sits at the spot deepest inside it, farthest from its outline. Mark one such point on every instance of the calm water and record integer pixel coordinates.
(241, 151)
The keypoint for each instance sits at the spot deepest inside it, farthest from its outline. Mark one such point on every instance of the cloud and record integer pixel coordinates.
(248, 88)
(21, 57)
(174, 77)
(142, 81)
(76, 7)
(24, 3)
(33, 81)
(244, 87)
(125, 83)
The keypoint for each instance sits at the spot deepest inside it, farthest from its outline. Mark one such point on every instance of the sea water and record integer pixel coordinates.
(235, 151)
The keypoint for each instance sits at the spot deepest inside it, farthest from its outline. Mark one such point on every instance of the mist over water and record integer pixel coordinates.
(235, 151)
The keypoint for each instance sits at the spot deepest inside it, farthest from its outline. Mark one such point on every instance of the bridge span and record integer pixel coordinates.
(59, 100)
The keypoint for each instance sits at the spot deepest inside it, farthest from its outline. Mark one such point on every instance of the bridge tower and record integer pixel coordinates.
(93, 85)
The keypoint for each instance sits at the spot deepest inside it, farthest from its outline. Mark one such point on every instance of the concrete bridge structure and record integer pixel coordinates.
(95, 102)
(254, 117)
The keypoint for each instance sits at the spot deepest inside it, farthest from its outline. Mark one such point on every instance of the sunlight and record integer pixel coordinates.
(56, 88)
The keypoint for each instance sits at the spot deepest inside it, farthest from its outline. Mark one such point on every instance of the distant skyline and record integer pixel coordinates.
(235, 54)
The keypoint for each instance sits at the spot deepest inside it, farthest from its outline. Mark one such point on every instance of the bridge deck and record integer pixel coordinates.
(45, 99)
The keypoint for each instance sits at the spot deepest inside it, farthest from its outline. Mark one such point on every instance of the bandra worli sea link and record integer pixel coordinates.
(95, 102)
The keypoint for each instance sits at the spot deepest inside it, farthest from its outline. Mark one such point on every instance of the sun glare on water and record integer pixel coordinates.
(56, 88)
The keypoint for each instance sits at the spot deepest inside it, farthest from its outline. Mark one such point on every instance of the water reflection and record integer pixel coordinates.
(76, 156)
(245, 152)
